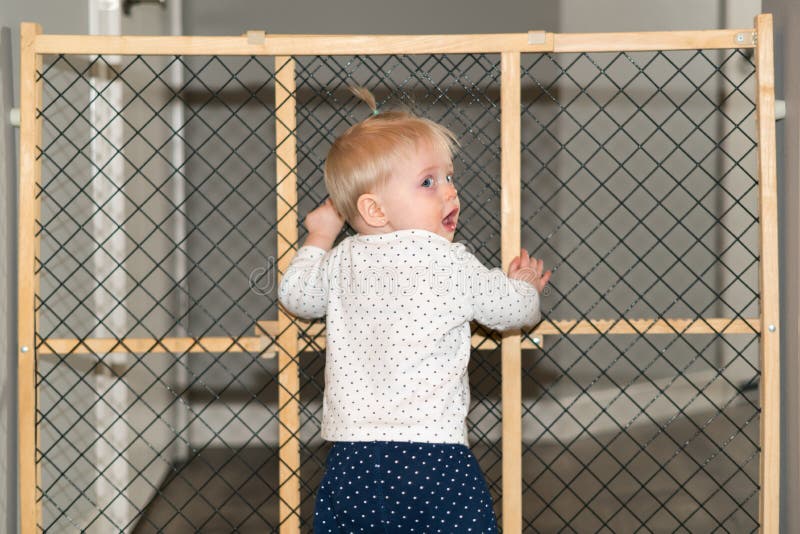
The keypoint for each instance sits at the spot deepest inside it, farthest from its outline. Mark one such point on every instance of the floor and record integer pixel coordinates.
(678, 481)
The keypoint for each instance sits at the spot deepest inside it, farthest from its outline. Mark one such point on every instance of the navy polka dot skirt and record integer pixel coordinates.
(402, 487)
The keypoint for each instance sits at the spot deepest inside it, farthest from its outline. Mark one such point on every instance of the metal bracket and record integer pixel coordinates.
(741, 38)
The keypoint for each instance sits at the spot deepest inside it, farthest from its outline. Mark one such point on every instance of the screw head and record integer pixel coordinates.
(739, 37)
(24, 348)
(771, 328)
(536, 340)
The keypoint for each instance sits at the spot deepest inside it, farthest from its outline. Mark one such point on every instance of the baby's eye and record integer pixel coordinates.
(449, 178)
(427, 182)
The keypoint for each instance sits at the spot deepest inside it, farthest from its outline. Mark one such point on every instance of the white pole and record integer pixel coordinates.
(177, 158)
(107, 172)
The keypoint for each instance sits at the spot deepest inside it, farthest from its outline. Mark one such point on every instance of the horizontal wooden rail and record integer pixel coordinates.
(289, 45)
(568, 327)
(650, 326)
(298, 45)
(633, 41)
(269, 330)
(709, 325)
(151, 345)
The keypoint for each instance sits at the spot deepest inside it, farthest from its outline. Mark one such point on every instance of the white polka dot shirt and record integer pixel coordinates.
(398, 307)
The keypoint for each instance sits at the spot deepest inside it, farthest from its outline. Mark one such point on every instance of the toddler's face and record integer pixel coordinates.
(421, 194)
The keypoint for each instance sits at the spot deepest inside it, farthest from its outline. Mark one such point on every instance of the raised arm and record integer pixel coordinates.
(304, 288)
(503, 302)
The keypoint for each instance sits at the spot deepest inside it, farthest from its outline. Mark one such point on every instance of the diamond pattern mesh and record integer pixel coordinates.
(639, 187)
(159, 221)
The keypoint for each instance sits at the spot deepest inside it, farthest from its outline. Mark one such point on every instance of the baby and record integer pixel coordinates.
(398, 298)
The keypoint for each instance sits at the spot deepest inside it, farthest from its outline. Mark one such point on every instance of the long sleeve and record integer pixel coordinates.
(304, 288)
(398, 335)
(499, 302)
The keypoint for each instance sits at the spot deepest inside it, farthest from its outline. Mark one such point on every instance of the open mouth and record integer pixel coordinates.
(450, 221)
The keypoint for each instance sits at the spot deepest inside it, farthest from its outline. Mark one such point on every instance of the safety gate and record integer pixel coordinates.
(163, 181)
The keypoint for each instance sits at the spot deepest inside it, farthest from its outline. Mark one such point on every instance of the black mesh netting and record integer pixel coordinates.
(159, 221)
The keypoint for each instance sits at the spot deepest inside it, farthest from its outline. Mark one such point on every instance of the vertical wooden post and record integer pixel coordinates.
(288, 369)
(510, 125)
(769, 499)
(30, 140)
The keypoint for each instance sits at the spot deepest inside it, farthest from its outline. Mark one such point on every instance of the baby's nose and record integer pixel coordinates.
(450, 191)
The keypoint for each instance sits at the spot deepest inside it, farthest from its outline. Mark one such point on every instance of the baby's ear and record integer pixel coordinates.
(369, 207)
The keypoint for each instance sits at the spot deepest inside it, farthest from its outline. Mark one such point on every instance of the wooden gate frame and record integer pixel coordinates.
(35, 44)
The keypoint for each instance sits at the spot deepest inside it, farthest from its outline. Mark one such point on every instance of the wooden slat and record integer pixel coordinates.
(391, 44)
(30, 178)
(571, 327)
(650, 326)
(288, 368)
(291, 44)
(769, 386)
(172, 345)
(634, 41)
(268, 330)
(510, 209)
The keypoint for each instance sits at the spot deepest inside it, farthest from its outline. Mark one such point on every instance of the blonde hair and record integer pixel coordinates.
(364, 157)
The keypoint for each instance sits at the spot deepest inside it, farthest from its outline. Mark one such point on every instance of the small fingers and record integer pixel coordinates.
(525, 261)
(536, 265)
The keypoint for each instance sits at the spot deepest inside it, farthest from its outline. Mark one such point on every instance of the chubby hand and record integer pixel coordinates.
(531, 270)
(323, 224)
